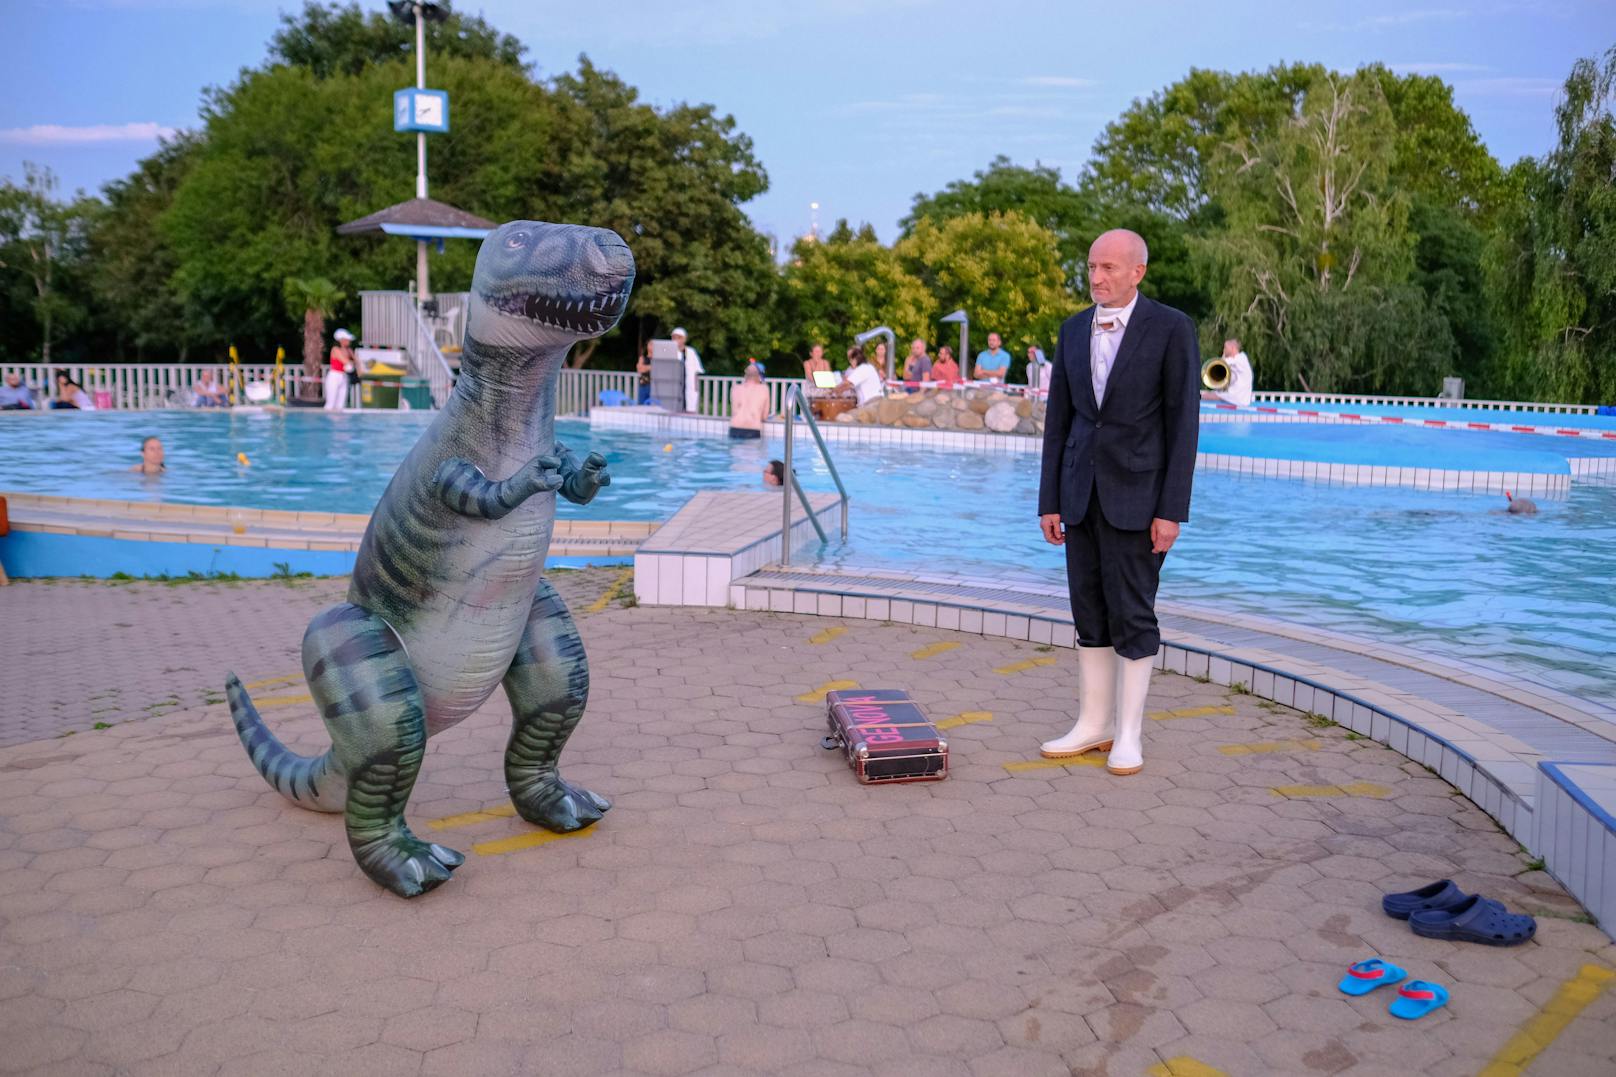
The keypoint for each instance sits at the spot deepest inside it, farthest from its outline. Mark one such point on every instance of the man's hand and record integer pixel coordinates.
(1163, 533)
(1051, 525)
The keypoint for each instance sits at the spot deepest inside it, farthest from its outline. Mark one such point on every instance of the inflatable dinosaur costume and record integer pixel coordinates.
(448, 600)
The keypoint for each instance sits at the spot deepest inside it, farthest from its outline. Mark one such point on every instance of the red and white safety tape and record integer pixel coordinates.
(1398, 420)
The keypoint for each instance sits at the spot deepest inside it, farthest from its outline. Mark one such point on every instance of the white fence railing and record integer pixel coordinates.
(134, 386)
(1272, 397)
(579, 390)
(386, 319)
(427, 361)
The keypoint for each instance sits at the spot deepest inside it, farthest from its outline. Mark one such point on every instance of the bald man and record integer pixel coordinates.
(1119, 457)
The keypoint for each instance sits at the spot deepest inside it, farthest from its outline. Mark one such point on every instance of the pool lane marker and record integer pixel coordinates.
(965, 718)
(1191, 712)
(1400, 420)
(1024, 665)
(526, 841)
(932, 650)
(611, 592)
(827, 635)
(1543, 1027)
(817, 695)
(1356, 789)
(1267, 746)
(1184, 1066)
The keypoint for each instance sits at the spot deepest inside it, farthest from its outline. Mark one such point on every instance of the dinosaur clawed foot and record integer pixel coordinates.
(558, 805)
(404, 864)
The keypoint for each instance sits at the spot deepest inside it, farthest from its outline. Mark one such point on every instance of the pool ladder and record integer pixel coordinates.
(794, 404)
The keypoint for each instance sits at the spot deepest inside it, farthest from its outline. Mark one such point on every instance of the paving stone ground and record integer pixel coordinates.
(746, 907)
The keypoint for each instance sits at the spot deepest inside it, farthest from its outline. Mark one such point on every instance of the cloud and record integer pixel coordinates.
(1514, 86)
(1065, 82)
(1404, 18)
(52, 134)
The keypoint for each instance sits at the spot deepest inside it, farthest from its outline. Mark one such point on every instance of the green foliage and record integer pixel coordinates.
(844, 284)
(43, 246)
(311, 294)
(342, 39)
(1552, 258)
(1003, 268)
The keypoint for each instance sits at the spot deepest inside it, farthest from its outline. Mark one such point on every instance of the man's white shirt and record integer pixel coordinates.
(1104, 345)
(866, 382)
(692, 361)
(1239, 390)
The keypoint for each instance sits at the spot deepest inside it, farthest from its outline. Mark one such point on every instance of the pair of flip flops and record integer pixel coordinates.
(1414, 1000)
(1443, 911)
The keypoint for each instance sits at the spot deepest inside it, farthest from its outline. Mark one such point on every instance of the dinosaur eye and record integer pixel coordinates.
(516, 239)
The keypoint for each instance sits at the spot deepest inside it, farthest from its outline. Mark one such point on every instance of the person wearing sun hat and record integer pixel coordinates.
(691, 361)
(336, 375)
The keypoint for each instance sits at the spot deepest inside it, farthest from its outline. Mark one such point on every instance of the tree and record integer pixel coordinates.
(313, 299)
(1003, 268)
(835, 288)
(1552, 258)
(342, 39)
(1313, 263)
(42, 243)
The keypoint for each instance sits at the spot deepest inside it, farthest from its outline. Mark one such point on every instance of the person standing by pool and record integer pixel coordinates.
(1037, 368)
(1238, 391)
(748, 405)
(690, 359)
(151, 457)
(993, 364)
(336, 376)
(945, 371)
(861, 380)
(14, 395)
(642, 368)
(917, 364)
(1119, 458)
(815, 363)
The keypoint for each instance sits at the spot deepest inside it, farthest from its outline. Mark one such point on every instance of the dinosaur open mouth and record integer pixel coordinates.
(585, 314)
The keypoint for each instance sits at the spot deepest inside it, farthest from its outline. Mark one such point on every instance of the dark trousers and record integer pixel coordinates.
(1112, 576)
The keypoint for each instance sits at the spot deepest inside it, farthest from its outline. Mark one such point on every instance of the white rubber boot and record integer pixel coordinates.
(1096, 714)
(1127, 754)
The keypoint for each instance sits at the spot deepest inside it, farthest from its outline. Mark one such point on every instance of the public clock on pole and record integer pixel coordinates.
(421, 110)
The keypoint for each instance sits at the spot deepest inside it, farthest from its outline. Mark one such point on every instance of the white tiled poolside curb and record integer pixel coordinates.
(1534, 484)
(1577, 833)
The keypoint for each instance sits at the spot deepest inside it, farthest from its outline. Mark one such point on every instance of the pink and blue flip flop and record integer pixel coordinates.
(1417, 998)
(1365, 976)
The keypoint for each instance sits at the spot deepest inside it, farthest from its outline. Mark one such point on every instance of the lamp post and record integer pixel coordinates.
(422, 111)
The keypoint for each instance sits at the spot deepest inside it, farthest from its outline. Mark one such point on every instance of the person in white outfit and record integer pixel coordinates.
(1238, 391)
(692, 364)
(336, 376)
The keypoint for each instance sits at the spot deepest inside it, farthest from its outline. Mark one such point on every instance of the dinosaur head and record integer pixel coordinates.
(547, 286)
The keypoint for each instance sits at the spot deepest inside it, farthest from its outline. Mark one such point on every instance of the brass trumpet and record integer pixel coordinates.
(1215, 374)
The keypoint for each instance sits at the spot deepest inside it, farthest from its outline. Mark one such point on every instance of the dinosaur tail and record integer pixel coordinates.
(309, 781)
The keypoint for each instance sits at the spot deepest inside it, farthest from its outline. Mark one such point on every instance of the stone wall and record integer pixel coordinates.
(953, 409)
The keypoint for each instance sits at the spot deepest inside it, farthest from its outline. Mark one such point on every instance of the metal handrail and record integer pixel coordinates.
(440, 375)
(794, 404)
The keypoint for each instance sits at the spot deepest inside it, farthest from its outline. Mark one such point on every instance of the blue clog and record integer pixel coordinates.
(1442, 894)
(1417, 998)
(1367, 975)
(1475, 919)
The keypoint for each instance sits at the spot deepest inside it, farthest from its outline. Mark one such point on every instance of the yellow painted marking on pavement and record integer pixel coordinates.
(611, 592)
(470, 818)
(817, 695)
(932, 650)
(827, 635)
(1184, 1066)
(1088, 759)
(1356, 789)
(250, 685)
(965, 718)
(1026, 664)
(282, 701)
(1191, 712)
(1267, 746)
(525, 841)
(1543, 1027)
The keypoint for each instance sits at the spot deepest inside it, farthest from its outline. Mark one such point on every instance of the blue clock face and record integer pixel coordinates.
(420, 110)
(401, 112)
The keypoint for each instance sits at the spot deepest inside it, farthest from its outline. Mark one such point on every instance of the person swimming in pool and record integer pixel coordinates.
(151, 457)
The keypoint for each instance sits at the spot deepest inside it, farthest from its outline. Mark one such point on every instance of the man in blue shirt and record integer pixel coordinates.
(14, 395)
(993, 364)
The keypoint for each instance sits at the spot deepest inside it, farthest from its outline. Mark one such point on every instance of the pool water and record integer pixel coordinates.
(1447, 573)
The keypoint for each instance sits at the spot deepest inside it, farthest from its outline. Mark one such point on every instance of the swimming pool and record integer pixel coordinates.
(1443, 572)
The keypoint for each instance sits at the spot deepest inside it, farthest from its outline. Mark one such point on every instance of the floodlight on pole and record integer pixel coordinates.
(423, 112)
(964, 321)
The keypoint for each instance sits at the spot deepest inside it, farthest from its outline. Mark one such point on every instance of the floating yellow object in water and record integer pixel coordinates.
(668, 447)
(241, 458)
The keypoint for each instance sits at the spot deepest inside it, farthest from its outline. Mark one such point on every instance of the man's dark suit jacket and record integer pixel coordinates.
(1135, 451)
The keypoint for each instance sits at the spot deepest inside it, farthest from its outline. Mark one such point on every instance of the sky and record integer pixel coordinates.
(855, 104)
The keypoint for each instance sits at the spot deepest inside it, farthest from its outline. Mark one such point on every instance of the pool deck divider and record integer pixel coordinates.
(1527, 483)
(1507, 746)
